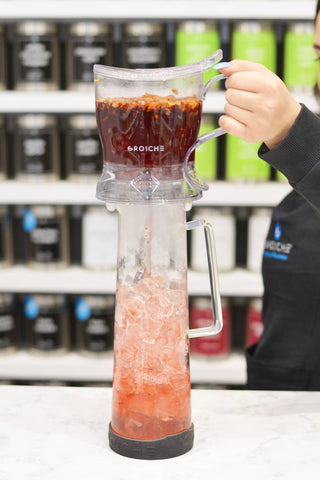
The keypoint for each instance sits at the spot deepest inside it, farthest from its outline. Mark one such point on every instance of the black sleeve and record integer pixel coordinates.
(298, 156)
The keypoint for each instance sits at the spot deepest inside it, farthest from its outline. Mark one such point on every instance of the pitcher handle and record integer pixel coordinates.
(189, 170)
(217, 323)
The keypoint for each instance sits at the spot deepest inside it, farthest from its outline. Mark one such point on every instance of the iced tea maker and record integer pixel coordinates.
(148, 122)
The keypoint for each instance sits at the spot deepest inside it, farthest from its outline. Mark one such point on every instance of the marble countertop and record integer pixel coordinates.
(53, 433)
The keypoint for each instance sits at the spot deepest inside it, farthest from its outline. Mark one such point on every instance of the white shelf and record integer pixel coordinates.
(240, 194)
(76, 368)
(51, 193)
(70, 280)
(239, 282)
(70, 102)
(77, 280)
(173, 10)
(60, 101)
(220, 193)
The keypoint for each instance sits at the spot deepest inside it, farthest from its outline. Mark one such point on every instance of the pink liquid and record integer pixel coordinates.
(151, 388)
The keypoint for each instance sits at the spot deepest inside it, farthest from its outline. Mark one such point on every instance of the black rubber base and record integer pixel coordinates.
(167, 447)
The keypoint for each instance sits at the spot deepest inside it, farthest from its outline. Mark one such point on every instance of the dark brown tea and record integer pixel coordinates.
(148, 131)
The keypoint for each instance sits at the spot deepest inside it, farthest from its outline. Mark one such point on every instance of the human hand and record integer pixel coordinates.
(259, 106)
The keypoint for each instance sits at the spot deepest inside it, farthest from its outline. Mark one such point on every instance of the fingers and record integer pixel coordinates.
(232, 126)
(240, 98)
(259, 106)
(240, 114)
(236, 128)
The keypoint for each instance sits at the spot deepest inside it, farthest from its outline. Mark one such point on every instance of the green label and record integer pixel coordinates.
(260, 47)
(242, 161)
(206, 155)
(300, 69)
(193, 47)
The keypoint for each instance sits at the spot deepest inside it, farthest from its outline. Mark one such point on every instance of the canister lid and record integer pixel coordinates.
(31, 27)
(137, 29)
(36, 121)
(95, 209)
(197, 26)
(261, 212)
(89, 29)
(48, 211)
(3, 210)
(81, 122)
(301, 28)
(5, 299)
(100, 301)
(207, 120)
(49, 300)
(212, 211)
(256, 303)
(205, 302)
(252, 26)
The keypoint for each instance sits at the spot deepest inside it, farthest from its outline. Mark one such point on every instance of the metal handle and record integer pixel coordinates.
(217, 323)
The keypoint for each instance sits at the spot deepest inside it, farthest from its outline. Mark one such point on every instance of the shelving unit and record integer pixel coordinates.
(220, 193)
(76, 368)
(166, 10)
(66, 102)
(240, 282)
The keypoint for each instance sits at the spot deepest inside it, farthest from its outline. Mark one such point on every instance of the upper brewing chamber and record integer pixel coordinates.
(148, 122)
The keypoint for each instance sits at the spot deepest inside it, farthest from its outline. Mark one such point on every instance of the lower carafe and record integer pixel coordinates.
(151, 413)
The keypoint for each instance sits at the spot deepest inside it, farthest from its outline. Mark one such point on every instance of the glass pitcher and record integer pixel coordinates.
(148, 122)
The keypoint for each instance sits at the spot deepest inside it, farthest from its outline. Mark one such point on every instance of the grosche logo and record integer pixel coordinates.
(275, 248)
(146, 148)
(277, 231)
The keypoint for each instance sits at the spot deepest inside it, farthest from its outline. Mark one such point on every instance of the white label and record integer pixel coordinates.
(143, 54)
(87, 147)
(225, 239)
(258, 226)
(45, 236)
(90, 54)
(34, 147)
(45, 325)
(97, 326)
(99, 240)
(35, 55)
(6, 323)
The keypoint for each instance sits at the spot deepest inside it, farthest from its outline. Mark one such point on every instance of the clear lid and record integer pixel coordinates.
(154, 74)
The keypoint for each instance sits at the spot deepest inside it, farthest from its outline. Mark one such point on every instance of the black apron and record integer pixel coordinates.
(287, 356)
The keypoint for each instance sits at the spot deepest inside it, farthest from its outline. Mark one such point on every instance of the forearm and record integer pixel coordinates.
(298, 156)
